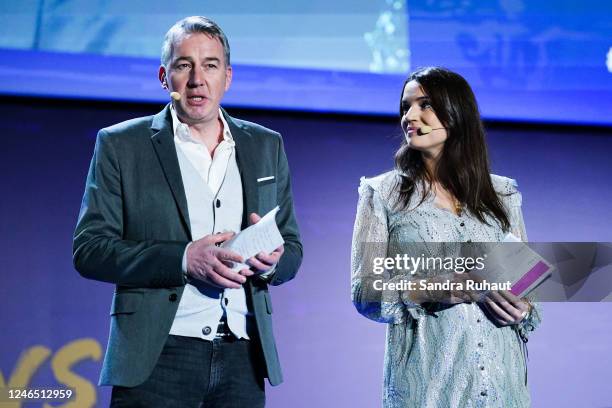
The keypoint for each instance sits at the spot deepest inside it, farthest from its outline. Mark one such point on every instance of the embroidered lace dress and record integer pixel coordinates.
(454, 357)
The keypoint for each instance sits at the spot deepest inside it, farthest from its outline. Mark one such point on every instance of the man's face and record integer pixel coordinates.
(198, 72)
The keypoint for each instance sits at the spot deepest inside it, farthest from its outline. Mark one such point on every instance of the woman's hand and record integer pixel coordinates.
(505, 308)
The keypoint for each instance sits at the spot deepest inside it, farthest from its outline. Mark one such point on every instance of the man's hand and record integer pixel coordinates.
(506, 309)
(262, 262)
(211, 264)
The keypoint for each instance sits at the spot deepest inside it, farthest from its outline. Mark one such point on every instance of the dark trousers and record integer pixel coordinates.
(197, 373)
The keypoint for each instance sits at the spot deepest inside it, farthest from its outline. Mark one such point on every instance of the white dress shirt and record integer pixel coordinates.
(213, 190)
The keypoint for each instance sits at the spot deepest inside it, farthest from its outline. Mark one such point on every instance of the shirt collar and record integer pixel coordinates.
(182, 132)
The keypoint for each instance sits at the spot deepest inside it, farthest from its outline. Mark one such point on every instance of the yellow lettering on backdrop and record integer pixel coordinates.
(72, 353)
(84, 393)
(29, 361)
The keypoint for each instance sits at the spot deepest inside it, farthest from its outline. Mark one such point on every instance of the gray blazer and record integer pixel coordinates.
(133, 228)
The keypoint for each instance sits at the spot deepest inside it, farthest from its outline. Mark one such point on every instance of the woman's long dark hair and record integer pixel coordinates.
(463, 167)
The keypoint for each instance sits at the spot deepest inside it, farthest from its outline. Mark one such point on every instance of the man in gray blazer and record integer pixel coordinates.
(163, 192)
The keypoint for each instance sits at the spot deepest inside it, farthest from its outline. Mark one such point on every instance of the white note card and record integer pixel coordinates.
(517, 263)
(261, 237)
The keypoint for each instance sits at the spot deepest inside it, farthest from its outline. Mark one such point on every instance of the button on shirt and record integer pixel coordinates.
(205, 179)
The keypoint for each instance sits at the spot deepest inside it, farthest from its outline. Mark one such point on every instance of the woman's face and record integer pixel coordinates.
(416, 113)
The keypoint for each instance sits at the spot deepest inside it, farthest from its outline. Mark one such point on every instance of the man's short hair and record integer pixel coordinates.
(191, 25)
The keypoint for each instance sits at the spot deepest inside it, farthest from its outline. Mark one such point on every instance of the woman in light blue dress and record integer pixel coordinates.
(450, 352)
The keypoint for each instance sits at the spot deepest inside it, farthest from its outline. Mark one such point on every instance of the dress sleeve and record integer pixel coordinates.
(517, 227)
(370, 240)
(513, 203)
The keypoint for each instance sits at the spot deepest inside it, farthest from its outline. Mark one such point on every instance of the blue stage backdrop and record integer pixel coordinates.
(544, 61)
(54, 323)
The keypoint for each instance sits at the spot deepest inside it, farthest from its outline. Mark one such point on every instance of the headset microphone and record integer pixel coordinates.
(423, 130)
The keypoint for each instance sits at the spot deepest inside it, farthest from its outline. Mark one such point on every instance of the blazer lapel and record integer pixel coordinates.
(247, 164)
(163, 143)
